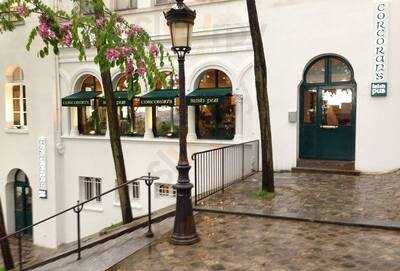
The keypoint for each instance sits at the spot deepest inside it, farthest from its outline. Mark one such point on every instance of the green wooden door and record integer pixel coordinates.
(328, 121)
(23, 205)
(328, 110)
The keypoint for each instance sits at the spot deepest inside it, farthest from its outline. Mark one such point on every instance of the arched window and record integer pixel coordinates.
(328, 70)
(131, 118)
(215, 120)
(92, 120)
(166, 118)
(16, 105)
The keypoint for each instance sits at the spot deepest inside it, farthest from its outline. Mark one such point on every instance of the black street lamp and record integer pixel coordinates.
(180, 20)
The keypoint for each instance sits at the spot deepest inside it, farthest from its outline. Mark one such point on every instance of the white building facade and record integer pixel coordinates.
(332, 88)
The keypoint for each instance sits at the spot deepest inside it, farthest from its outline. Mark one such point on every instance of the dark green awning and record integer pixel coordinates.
(81, 98)
(159, 97)
(208, 96)
(120, 99)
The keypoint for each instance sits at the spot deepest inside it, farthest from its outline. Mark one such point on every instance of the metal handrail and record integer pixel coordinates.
(210, 173)
(220, 148)
(77, 208)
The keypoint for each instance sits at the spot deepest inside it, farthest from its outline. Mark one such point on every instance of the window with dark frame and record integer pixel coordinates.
(166, 118)
(131, 119)
(215, 121)
(92, 120)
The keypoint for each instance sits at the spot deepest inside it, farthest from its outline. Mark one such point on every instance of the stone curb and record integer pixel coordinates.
(392, 226)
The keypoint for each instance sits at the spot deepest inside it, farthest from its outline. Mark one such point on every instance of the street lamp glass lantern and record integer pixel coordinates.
(180, 20)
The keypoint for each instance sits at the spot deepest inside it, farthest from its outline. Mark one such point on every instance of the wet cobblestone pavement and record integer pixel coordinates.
(365, 198)
(230, 242)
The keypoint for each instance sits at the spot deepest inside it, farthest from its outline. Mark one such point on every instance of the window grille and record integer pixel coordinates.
(165, 190)
(90, 188)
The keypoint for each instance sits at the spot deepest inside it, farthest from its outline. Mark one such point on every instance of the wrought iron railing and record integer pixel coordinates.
(77, 209)
(217, 169)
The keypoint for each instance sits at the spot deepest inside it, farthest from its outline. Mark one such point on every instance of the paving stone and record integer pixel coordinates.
(367, 199)
(279, 245)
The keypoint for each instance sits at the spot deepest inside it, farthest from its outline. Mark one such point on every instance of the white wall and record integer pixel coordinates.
(19, 148)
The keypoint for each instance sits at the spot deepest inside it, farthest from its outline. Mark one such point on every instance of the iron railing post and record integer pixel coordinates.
(78, 210)
(243, 161)
(223, 169)
(20, 251)
(195, 179)
(149, 181)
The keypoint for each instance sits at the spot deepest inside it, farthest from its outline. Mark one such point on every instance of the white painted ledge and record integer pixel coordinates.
(16, 131)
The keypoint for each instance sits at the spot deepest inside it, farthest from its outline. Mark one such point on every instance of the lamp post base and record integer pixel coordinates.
(184, 240)
(184, 227)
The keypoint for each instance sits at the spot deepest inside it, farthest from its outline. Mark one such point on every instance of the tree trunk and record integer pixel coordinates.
(260, 72)
(116, 147)
(115, 137)
(5, 245)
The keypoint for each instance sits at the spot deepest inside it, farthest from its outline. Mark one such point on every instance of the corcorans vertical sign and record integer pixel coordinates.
(42, 167)
(379, 87)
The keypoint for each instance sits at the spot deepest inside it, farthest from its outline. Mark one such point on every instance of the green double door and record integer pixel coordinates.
(327, 123)
(23, 205)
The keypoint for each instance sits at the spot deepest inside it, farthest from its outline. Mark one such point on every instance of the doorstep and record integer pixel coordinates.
(326, 167)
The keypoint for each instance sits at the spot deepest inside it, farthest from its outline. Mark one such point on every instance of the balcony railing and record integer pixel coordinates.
(219, 168)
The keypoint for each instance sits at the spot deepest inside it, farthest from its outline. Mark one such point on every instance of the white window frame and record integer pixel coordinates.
(132, 5)
(23, 114)
(134, 192)
(90, 187)
(157, 3)
(164, 190)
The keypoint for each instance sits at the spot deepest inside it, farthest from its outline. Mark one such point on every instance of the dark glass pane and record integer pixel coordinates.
(16, 106)
(316, 73)
(19, 203)
(226, 121)
(340, 72)
(131, 120)
(16, 92)
(208, 79)
(25, 119)
(223, 80)
(167, 121)
(125, 4)
(310, 99)
(24, 105)
(207, 122)
(91, 83)
(121, 84)
(17, 119)
(337, 107)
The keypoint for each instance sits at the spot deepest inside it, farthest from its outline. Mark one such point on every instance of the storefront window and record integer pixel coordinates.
(167, 121)
(215, 121)
(166, 118)
(92, 120)
(131, 119)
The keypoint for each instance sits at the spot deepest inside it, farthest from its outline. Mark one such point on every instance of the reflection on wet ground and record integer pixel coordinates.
(325, 197)
(230, 242)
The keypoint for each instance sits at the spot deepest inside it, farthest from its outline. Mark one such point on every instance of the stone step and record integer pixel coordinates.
(326, 171)
(326, 164)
